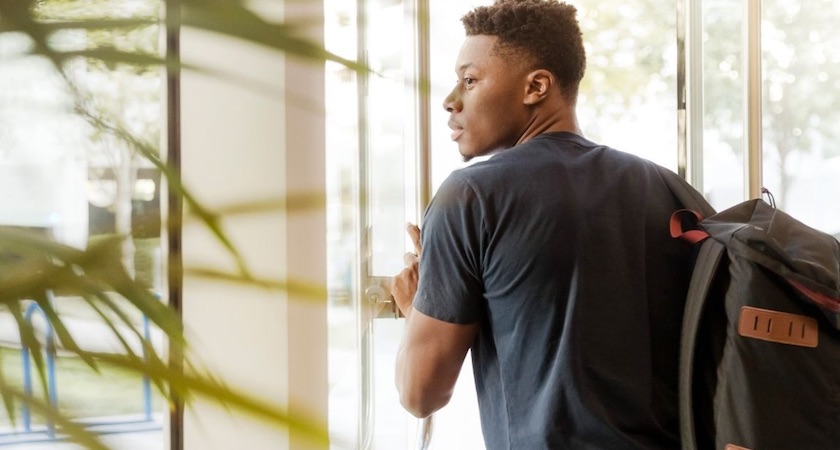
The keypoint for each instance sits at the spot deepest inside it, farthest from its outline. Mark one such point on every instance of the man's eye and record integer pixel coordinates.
(468, 81)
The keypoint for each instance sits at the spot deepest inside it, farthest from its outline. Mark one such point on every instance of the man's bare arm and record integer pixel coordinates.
(432, 351)
(429, 360)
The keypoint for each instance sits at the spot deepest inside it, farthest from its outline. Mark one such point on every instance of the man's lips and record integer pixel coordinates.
(457, 131)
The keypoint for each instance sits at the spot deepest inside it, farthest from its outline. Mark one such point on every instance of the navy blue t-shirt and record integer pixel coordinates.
(560, 250)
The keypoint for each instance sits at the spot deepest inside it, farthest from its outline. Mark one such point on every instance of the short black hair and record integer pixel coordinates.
(546, 32)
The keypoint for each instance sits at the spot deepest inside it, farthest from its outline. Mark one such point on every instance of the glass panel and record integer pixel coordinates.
(801, 55)
(723, 103)
(389, 140)
(342, 139)
(628, 95)
(68, 179)
(389, 189)
(394, 427)
(371, 185)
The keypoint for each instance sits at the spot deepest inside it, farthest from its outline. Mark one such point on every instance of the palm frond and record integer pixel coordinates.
(96, 273)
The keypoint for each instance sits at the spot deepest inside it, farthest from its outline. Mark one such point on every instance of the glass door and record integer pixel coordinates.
(372, 194)
(388, 183)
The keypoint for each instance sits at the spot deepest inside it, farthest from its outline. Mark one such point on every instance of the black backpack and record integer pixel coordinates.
(760, 350)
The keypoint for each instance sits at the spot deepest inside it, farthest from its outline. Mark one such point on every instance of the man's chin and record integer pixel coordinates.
(466, 154)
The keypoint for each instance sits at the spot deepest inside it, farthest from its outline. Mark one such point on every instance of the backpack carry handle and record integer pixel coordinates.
(684, 226)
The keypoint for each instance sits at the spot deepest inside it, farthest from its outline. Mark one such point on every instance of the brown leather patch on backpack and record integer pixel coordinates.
(780, 327)
(734, 447)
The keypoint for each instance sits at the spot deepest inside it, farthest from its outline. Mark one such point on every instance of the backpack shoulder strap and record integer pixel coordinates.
(705, 267)
(688, 197)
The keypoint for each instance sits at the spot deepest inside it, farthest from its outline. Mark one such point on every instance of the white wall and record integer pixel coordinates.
(246, 141)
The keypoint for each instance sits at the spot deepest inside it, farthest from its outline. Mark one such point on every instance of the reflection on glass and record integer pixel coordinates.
(64, 177)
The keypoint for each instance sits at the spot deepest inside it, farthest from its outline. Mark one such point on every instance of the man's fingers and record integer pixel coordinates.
(403, 288)
(414, 234)
(404, 285)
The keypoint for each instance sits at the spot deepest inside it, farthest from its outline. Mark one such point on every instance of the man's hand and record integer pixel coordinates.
(404, 285)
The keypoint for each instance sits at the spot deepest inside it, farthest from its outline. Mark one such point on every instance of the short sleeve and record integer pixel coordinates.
(450, 287)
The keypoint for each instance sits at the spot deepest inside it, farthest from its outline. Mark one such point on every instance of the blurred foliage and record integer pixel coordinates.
(120, 39)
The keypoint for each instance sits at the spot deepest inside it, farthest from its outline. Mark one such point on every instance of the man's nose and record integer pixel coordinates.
(452, 101)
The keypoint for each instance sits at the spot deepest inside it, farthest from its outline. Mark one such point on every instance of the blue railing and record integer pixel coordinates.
(29, 433)
(147, 384)
(52, 388)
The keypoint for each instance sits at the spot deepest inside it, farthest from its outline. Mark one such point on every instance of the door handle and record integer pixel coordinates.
(378, 296)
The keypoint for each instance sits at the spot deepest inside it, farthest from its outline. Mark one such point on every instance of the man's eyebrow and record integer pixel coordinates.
(465, 66)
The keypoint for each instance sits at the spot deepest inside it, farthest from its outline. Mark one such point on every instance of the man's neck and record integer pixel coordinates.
(562, 119)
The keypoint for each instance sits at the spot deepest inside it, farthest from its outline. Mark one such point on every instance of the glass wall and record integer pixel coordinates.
(65, 174)
(800, 68)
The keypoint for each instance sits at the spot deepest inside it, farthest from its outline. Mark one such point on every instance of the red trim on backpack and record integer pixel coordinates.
(677, 226)
(829, 303)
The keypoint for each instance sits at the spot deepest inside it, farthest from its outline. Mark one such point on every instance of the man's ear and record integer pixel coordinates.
(540, 83)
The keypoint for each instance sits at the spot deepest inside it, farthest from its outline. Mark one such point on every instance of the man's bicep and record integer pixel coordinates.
(431, 356)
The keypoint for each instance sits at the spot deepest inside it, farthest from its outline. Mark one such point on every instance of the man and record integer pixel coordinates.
(551, 261)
